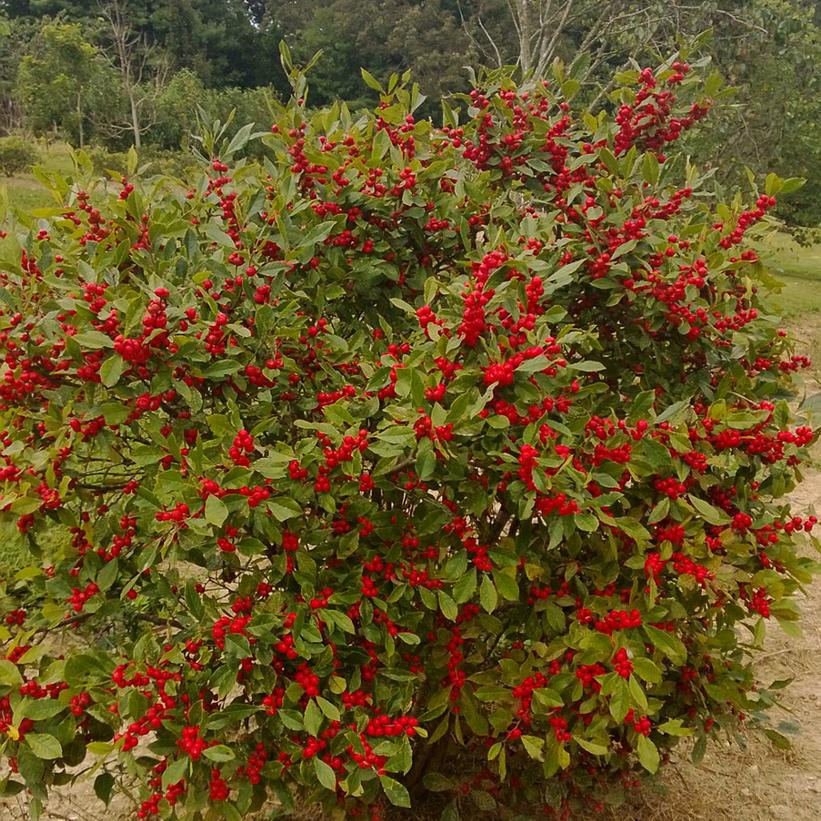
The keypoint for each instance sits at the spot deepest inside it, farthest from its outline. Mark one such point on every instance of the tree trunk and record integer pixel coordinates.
(135, 119)
(525, 33)
(80, 121)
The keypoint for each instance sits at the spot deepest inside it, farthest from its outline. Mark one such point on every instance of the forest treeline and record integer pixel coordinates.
(116, 73)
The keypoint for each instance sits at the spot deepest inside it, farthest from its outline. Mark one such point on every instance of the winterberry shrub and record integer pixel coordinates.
(411, 459)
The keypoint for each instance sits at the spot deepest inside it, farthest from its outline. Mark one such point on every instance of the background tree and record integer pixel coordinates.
(62, 81)
(142, 70)
(384, 38)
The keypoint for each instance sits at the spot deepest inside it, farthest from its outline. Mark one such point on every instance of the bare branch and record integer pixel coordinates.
(514, 18)
(724, 13)
(548, 50)
(473, 39)
(134, 58)
(499, 61)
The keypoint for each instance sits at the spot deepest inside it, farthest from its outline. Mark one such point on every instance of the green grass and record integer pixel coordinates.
(799, 269)
(24, 191)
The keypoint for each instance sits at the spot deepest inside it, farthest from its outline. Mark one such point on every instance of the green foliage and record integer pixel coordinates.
(384, 38)
(176, 109)
(405, 459)
(17, 154)
(150, 159)
(63, 81)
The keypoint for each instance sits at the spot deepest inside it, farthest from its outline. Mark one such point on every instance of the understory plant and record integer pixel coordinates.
(410, 464)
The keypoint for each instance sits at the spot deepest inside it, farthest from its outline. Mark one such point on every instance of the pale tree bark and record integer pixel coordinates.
(539, 27)
(81, 132)
(540, 24)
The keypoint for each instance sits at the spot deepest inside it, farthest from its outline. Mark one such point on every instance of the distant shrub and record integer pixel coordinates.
(180, 164)
(16, 154)
(104, 161)
(155, 160)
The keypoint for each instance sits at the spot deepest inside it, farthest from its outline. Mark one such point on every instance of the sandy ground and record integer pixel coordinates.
(755, 783)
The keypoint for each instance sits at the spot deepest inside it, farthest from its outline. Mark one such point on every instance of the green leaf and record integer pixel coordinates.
(44, 745)
(284, 508)
(9, 674)
(224, 367)
(667, 643)
(534, 746)
(325, 774)
(317, 234)
(175, 771)
(506, 585)
(650, 168)
(548, 698)
(792, 184)
(633, 529)
(103, 785)
(674, 727)
(646, 669)
(772, 184)
(396, 792)
(215, 511)
(648, 754)
(219, 752)
(371, 81)
(93, 340)
(586, 522)
(313, 718)
(534, 365)
(108, 574)
(329, 710)
(464, 589)
(619, 703)
(674, 409)
(660, 511)
(637, 694)
(492, 692)
(609, 161)
(488, 597)
(591, 746)
(193, 600)
(40, 709)
(111, 370)
(713, 83)
(240, 139)
(426, 463)
(447, 605)
(711, 514)
(588, 366)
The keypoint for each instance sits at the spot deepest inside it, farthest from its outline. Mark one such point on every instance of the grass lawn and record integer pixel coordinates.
(24, 191)
(799, 269)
